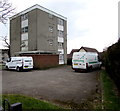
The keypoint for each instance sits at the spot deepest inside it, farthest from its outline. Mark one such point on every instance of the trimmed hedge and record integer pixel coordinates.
(111, 61)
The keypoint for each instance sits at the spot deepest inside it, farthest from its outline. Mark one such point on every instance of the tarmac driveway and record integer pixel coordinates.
(60, 83)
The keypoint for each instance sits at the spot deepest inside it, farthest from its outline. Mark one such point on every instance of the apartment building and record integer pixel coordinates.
(39, 30)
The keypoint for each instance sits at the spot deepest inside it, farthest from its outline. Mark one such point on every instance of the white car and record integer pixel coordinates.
(19, 63)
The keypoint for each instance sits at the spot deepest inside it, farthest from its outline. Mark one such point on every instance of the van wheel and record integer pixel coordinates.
(91, 68)
(7, 67)
(100, 67)
(18, 69)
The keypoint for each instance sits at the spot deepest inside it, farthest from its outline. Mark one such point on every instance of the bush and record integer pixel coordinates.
(111, 60)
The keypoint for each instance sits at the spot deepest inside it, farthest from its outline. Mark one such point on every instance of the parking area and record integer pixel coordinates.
(60, 83)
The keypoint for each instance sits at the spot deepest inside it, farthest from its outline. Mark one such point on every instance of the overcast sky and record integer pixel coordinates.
(90, 23)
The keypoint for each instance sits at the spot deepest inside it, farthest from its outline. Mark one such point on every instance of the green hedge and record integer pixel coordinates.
(111, 61)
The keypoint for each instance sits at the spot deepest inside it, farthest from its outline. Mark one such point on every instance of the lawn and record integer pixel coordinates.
(110, 94)
(29, 103)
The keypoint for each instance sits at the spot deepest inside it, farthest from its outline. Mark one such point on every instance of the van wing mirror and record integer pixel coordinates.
(9, 59)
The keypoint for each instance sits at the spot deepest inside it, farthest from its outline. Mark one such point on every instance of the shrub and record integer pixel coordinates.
(111, 60)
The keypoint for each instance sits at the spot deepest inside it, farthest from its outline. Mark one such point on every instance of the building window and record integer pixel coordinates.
(50, 28)
(24, 16)
(60, 45)
(24, 29)
(24, 43)
(60, 33)
(60, 22)
(50, 42)
(61, 57)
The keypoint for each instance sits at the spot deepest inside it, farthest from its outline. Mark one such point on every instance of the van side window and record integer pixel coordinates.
(16, 60)
(28, 60)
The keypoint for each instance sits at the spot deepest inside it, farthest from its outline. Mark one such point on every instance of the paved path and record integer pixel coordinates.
(60, 83)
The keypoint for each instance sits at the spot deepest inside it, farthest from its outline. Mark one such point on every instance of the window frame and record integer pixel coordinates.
(60, 21)
(50, 28)
(24, 30)
(24, 17)
(60, 33)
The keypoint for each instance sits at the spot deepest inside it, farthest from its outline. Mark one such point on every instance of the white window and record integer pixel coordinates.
(60, 22)
(60, 45)
(24, 17)
(24, 43)
(50, 42)
(60, 27)
(24, 36)
(50, 28)
(60, 33)
(61, 57)
(24, 49)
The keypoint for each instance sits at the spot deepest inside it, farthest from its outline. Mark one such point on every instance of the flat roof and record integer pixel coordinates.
(41, 8)
(37, 52)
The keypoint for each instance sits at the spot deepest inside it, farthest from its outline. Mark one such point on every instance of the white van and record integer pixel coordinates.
(85, 60)
(19, 63)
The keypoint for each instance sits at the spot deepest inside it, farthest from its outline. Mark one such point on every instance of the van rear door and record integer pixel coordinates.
(27, 63)
(78, 60)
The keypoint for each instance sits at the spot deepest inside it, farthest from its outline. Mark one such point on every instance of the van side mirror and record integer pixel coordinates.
(9, 59)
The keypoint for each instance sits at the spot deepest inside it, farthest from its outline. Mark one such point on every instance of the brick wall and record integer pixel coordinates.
(44, 60)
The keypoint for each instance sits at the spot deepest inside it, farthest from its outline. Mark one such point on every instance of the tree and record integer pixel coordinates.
(6, 10)
(7, 45)
(6, 42)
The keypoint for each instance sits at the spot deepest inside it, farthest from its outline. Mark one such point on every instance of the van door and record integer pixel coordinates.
(11, 64)
(28, 63)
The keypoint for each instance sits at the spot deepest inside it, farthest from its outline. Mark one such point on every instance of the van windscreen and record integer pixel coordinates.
(28, 60)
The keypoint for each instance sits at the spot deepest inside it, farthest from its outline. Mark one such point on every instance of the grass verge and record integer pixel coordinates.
(110, 94)
(29, 103)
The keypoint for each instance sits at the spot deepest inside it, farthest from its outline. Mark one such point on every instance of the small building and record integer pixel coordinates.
(82, 49)
(87, 49)
(43, 60)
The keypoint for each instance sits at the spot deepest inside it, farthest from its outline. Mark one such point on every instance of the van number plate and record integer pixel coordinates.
(75, 63)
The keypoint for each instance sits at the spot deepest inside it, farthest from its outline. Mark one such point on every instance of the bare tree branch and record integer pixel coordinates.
(7, 44)
(5, 40)
(6, 10)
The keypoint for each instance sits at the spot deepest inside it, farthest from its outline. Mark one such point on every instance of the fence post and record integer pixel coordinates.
(4, 104)
(13, 107)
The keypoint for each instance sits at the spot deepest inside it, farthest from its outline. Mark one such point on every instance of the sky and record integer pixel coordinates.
(90, 23)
